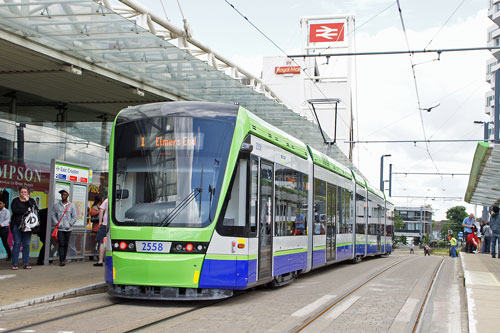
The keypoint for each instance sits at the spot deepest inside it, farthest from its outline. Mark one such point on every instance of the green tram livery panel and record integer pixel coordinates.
(207, 198)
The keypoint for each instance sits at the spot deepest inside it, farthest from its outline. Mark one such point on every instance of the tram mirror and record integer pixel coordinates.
(246, 148)
(121, 194)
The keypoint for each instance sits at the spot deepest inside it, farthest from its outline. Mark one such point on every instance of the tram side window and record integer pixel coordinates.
(349, 209)
(291, 197)
(319, 207)
(340, 210)
(332, 200)
(360, 214)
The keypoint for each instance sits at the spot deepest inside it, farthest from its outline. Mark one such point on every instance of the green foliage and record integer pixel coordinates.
(398, 221)
(427, 237)
(404, 241)
(455, 216)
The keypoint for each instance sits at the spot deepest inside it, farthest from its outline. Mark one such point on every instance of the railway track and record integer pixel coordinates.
(417, 326)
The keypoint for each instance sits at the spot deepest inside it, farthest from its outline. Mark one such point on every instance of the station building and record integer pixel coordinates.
(68, 67)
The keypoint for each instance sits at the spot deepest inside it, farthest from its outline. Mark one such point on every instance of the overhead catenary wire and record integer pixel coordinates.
(416, 90)
(366, 22)
(283, 51)
(445, 23)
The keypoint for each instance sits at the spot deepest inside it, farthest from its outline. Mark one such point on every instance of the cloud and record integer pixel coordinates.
(388, 106)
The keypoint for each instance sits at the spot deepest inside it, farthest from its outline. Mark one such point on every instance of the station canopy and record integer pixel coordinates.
(484, 179)
(81, 53)
(102, 39)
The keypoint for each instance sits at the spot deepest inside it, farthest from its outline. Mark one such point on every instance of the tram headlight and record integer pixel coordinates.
(189, 247)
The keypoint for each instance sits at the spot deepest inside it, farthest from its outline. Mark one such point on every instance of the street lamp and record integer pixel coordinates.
(486, 128)
(382, 171)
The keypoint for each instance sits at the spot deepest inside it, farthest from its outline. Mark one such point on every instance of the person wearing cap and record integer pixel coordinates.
(65, 212)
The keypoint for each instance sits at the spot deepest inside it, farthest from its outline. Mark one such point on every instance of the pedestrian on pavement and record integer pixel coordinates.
(427, 250)
(453, 246)
(487, 238)
(495, 231)
(467, 225)
(479, 236)
(4, 229)
(412, 251)
(65, 212)
(20, 206)
(102, 232)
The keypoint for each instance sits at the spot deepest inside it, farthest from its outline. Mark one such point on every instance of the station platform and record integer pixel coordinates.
(47, 283)
(482, 287)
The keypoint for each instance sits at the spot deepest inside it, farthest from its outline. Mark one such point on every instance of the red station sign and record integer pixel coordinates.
(326, 32)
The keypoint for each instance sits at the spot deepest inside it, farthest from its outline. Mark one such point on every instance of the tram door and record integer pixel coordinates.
(331, 223)
(266, 220)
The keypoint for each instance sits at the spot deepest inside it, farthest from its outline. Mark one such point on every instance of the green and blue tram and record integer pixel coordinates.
(207, 198)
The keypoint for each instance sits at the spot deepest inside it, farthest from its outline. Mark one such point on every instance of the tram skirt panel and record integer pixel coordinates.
(289, 262)
(319, 256)
(228, 274)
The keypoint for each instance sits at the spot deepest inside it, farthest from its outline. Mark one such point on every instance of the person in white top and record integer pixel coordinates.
(4, 228)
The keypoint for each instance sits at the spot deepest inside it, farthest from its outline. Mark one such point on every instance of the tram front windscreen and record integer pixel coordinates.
(168, 171)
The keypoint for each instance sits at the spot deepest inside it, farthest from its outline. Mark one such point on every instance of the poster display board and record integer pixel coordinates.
(74, 179)
(79, 198)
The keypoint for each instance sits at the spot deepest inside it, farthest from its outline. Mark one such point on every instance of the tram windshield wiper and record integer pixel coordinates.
(180, 206)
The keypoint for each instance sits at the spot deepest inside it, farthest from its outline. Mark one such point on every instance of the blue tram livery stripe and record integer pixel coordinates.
(286, 263)
(319, 257)
(108, 267)
(227, 274)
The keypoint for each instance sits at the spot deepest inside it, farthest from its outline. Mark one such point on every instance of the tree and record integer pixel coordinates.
(398, 221)
(455, 216)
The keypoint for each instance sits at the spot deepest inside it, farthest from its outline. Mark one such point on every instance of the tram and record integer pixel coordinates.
(207, 198)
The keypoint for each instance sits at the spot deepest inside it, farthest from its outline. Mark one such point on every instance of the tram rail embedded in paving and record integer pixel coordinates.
(207, 198)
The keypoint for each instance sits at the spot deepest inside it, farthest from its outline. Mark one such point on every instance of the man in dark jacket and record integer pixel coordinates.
(495, 231)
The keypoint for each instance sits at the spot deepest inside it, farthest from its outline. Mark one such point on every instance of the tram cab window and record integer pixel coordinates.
(235, 211)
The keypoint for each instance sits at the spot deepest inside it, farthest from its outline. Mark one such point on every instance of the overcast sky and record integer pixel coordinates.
(387, 104)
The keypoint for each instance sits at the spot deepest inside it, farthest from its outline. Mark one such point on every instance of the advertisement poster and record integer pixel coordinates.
(60, 186)
(79, 199)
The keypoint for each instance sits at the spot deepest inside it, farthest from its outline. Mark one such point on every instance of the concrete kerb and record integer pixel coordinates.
(54, 297)
(470, 301)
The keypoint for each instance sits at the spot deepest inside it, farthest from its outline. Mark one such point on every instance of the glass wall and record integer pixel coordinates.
(27, 146)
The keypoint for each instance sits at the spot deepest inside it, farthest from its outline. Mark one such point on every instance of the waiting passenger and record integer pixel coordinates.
(453, 246)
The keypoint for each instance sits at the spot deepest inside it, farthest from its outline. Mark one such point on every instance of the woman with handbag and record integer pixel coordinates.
(20, 206)
(94, 213)
(63, 218)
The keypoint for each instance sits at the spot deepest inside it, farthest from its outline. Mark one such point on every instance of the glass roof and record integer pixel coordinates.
(95, 34)
(89, 31)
